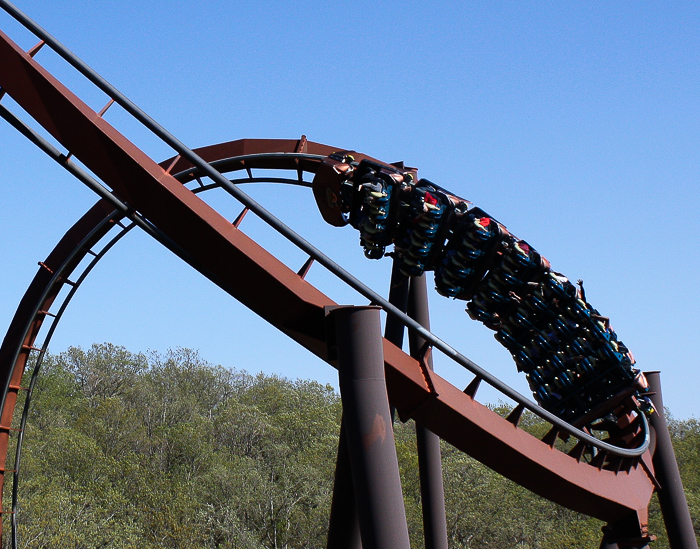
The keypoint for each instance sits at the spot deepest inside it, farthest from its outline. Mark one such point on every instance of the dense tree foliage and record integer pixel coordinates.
(126, 450)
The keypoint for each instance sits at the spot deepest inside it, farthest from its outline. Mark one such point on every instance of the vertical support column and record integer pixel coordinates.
(607, 543)
(344, 527)
(429, 456)
(625, 534)
(367, 420)
(398, 297)
(674, 506)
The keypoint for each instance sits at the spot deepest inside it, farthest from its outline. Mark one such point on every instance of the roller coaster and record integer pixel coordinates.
(573, 360)
(607, 449)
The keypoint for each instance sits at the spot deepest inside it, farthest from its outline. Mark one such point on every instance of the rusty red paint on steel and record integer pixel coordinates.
(268, 287)
(25, 325)
(242, 147)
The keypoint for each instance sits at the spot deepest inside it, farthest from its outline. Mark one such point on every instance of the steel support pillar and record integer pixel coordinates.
(398, 297)
(411, 296)
(344, 527)
(610, 541)
(367, 420)
(626, 533)
(674, 506)
(429, 456)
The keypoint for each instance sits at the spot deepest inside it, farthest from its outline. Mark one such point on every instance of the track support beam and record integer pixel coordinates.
(617, 536)
(398, 297)
(410, 295)
(367, 420)
(429, 456)
(674, 506)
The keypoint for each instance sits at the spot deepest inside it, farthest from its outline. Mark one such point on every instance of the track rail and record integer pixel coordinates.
(616, 484)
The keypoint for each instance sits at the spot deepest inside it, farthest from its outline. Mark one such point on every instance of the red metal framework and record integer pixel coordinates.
(614, 485)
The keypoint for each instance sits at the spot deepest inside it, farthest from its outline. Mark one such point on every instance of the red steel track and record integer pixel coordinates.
(241, 267)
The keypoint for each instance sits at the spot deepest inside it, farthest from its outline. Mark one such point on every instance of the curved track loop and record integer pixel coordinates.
(607, 487)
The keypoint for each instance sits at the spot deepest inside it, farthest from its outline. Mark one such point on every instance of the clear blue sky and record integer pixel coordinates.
(577, 125)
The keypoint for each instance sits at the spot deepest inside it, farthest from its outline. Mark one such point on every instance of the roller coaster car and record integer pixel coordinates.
(473, 242)
(334, 182)
(425, 212)
(524, 262)
(332, 174)
(573, 361)
(376, 205)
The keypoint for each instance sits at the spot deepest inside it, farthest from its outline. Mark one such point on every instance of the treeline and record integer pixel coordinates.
(124, 450)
